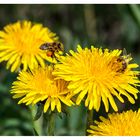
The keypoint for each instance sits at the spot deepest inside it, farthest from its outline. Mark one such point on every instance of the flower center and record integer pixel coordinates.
(26, 42)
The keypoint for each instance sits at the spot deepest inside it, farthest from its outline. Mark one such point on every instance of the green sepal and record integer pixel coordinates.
(35, 132)
(39, 112)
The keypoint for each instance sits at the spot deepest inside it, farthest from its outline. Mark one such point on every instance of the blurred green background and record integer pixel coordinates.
(107, 26)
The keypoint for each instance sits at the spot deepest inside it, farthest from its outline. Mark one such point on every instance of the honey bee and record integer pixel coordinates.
(124, 60)
(52, 48)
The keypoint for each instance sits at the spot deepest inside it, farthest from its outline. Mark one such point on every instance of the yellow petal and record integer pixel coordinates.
(81, 96)
(47, 104)
(53, 104)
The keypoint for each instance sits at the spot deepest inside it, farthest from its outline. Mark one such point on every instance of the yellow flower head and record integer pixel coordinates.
(20, 42)
(39, 86)
(117, 124)
(99, 74)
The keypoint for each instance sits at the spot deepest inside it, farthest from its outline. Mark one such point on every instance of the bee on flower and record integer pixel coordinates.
(98, 75)
(20, 42)
(52, 49)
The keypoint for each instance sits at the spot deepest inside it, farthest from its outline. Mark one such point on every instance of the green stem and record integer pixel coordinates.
(51, 124)
(37, 125)
(89, 119)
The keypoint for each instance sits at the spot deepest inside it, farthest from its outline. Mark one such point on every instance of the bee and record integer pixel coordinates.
(52, 48)
(124, 60)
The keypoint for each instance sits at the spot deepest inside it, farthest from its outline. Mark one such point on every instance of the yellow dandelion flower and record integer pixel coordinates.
(117, 124)
(39, 86)
(99, 74)
(20, 42)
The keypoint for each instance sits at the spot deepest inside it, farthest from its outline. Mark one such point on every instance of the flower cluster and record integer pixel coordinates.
(90, 75)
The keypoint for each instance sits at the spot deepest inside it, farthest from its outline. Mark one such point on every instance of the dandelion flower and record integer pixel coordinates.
(20, 42)
(98, 75)
(39, 86)
(117, 124)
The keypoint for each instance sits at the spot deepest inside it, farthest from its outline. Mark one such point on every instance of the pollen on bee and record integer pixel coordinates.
(49, 53)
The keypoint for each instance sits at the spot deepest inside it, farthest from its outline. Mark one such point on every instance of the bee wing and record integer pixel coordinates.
(43, 47)
(124, 52)
(126, 56)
